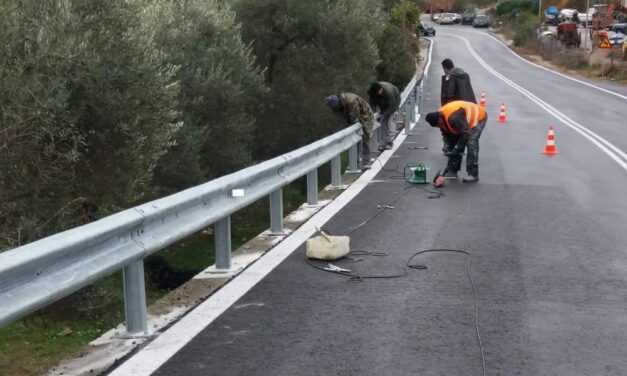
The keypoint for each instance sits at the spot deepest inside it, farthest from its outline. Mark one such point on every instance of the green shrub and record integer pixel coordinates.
(310, 49)
(514, 8)
(85, 113)
(218, 89)
(398, 63)
(405, 15)
(525, 29)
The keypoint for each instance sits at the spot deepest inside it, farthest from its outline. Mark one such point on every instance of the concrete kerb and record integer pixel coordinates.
(111, 348)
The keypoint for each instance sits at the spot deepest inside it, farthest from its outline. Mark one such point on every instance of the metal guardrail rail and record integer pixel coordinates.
(40, 273)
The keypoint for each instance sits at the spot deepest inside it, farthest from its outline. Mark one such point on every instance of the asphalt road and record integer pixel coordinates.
(547, 238)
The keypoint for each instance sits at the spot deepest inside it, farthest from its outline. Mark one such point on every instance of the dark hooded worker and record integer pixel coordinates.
(456, 84)
(385, 98)
(352, 108)
(461, 124)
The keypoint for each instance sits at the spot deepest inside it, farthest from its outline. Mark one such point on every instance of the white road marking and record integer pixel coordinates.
(155, 354)
(607, 147)
(607, 91)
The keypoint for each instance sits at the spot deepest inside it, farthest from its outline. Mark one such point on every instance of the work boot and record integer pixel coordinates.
(470, 179)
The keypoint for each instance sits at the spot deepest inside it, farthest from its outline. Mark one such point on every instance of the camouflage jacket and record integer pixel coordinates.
(355, 109)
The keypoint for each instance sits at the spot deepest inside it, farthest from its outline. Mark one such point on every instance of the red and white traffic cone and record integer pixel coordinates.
(482, 101)
(550, 148)
(502, 114)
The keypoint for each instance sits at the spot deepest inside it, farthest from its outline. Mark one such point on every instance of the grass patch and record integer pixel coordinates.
(39, 342)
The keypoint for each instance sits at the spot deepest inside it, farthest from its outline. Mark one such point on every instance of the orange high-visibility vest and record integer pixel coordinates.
(474, 114)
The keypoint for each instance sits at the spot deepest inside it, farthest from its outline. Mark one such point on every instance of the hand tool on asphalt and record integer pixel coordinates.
(334, 268)
(439, 179)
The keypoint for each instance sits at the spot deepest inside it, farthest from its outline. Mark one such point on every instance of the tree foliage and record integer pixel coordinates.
(398, 51)
(219, 86)
(405, 15)
(84, 113)
(512, 8)
(310, 49)
(525, 28)
(107, 104)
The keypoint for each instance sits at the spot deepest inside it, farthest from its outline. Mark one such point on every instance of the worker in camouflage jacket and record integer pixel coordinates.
(352, 108)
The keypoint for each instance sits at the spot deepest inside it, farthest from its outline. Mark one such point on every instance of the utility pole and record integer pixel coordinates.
(588, 23)
(540, 10)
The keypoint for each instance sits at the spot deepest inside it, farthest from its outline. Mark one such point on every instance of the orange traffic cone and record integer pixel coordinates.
(502, 114)
(550, 148)
(482, 101)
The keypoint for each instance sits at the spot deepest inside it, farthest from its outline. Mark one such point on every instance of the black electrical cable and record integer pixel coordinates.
(352, 276)
(472, 285)
(380, 210)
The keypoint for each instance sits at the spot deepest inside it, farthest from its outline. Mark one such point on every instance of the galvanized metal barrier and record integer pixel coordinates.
(38, 274)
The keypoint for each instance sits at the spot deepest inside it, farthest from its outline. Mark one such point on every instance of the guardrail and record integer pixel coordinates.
(40, 273)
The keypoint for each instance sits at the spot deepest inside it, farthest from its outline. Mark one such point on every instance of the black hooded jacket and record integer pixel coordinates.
(456, 86)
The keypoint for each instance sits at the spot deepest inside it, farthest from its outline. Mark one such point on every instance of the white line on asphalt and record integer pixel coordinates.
(608, 148)
(553, 71)
(155, 354)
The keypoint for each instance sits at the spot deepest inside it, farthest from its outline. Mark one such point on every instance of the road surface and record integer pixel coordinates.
(547, 236)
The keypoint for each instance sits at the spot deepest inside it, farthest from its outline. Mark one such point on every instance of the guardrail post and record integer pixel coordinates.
(353, 160)
(135, 298)
(276, 212)
(312, 187)
(336, 172)
(222, 241)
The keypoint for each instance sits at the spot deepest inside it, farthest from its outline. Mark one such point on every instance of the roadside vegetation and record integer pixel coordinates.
(518, 21)
(106, 105)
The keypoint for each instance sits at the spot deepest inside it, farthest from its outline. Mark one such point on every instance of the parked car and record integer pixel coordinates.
(425, 30)
(446, 19)
(618, 28)
(468, 17)
(616, 33)
(457, 18)
(435, 17)
(481, 20)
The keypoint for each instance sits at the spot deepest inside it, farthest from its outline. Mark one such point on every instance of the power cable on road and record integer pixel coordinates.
(357, 277)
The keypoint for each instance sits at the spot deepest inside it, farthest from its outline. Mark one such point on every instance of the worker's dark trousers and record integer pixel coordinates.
(385, 138)
(472, 151)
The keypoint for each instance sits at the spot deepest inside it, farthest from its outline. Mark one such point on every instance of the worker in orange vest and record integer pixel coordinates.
(461, 124)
